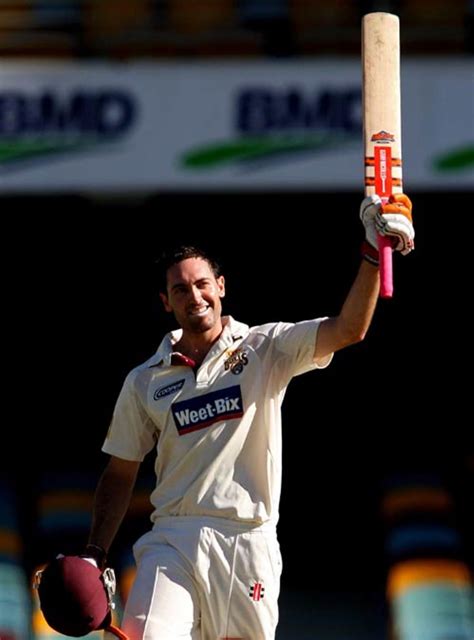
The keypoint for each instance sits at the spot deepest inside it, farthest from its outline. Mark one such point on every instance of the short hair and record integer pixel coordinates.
(175, 255)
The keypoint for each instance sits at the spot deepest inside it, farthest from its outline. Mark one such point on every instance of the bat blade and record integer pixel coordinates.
(382, 129)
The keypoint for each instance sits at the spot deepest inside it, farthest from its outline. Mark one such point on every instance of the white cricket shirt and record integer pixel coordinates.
(217, 432)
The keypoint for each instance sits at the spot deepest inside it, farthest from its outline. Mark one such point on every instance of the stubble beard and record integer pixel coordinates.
(201, 325)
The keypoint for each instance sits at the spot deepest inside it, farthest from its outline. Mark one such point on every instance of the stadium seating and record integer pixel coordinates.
(40, 29)
(163, 28)
(15, 602)
(429, 585)
(63, 521)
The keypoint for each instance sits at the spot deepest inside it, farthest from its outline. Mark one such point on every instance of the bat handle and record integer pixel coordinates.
(386, 274)
(112, 631)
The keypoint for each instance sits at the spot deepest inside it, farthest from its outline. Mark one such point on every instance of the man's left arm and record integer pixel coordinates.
(351, 325)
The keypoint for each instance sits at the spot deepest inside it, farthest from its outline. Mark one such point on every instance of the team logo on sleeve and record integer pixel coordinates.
(198, 413)
(236, 361)
(168, 390)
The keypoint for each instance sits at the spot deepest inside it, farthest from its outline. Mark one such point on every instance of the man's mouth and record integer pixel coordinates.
(199, 311)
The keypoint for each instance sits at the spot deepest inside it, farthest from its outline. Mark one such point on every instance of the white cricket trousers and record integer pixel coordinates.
(204, 579)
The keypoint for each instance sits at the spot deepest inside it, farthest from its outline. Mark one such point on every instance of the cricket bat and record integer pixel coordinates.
(381, 109)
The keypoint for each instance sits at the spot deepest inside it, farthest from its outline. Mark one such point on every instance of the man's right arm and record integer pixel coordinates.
(350, 326)
(111, 501)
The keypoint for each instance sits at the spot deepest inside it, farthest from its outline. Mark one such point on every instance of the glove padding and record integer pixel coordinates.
(392, 219)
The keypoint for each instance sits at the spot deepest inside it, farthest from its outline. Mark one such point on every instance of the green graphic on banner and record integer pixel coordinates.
(456, 160)
(260, 147)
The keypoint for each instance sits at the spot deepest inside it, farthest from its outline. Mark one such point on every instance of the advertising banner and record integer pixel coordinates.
(236, 126)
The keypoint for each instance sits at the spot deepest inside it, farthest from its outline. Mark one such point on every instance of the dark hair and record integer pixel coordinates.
(174, 255)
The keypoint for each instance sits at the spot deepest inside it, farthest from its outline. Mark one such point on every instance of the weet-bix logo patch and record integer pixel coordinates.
(198, 413)
(168, 390)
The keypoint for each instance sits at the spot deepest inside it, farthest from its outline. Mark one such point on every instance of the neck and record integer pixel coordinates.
(197, 346)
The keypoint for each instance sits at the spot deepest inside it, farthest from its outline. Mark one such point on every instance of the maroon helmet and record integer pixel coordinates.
(75, 596)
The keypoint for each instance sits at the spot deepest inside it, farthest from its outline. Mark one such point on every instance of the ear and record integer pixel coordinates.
(221, 286)
(164, 300)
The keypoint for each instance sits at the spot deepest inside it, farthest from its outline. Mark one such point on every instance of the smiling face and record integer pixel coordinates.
(193, 294)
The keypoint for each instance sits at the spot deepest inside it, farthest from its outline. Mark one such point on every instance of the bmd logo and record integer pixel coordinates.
(275, 122)
(33, 125)
(198, 413)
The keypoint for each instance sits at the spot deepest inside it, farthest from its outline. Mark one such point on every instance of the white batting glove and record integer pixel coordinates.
(393, 219)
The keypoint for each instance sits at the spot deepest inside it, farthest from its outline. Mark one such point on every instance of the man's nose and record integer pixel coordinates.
(196, 294)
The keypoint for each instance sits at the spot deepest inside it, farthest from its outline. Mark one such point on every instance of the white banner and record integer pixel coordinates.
(280, 125)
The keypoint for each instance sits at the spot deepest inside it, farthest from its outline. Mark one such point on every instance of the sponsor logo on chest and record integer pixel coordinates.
(198, 413)
(162, 392)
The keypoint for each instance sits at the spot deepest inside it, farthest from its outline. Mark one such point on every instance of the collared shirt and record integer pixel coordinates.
(217, 429)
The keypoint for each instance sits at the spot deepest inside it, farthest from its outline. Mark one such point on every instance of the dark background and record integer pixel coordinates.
(83, 309)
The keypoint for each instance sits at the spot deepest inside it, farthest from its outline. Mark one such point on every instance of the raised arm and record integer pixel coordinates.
(111, 501)
(351, 325)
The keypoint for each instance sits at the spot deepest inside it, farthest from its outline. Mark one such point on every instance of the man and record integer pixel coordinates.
(210, 401)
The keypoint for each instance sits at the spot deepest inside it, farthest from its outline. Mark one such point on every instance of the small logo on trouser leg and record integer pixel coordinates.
(256, 591)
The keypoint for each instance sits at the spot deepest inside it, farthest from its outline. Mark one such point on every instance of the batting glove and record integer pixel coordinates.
(393, 219)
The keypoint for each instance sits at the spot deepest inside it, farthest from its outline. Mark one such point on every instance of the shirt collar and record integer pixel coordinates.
(232, 331)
